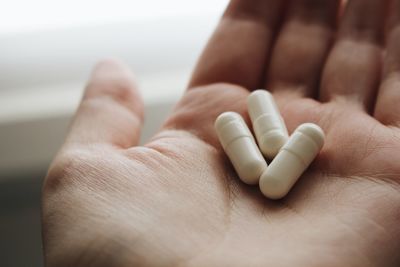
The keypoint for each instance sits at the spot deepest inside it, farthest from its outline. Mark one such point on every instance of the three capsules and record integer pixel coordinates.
(290, 156)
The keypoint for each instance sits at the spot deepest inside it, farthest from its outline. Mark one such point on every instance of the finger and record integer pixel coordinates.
(352, 71)
(111, 110)
(237, 51)
(302, 47)
(387, 108)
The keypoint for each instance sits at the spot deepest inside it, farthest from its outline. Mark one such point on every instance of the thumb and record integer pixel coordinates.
(111, 110)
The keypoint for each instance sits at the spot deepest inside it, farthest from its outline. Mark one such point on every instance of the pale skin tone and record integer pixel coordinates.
(176, 200)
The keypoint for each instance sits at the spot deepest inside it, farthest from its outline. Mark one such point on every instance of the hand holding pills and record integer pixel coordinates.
(290, 156)
(174, 200)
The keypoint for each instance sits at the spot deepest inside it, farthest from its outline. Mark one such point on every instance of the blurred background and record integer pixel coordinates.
(47, 49)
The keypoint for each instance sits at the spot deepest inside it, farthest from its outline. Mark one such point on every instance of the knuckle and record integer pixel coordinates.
(67, 169)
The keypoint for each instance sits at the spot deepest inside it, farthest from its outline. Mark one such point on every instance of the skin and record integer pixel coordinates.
(176, 201)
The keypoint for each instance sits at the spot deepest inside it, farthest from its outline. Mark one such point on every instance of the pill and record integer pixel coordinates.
(268, 125)
(292, 160)
(240, 147)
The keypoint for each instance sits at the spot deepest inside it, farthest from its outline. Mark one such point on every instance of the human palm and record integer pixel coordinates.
(176, 201)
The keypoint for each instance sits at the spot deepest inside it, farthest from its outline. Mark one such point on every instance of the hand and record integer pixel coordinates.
(176, 200)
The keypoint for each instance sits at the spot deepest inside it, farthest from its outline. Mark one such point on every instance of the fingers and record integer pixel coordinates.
(387, 108)
(111, 110)
(352, 71)
(302, 46)
(239, 48)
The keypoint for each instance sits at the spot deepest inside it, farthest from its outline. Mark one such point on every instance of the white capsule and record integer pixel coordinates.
(292, 160)
(240, 146)
(268, 125)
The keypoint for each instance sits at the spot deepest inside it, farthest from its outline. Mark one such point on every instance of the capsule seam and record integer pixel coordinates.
(265, 115)
(312, 140)
(236, 138)
(263, 134)
(271, 117)
(295, 154)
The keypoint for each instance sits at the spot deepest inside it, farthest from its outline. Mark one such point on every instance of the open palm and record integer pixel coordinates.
(176, 201)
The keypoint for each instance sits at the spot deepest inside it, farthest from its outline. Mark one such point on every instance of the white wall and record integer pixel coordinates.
(44, 66)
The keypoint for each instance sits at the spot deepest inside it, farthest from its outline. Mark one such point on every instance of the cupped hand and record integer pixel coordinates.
(176, 200)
